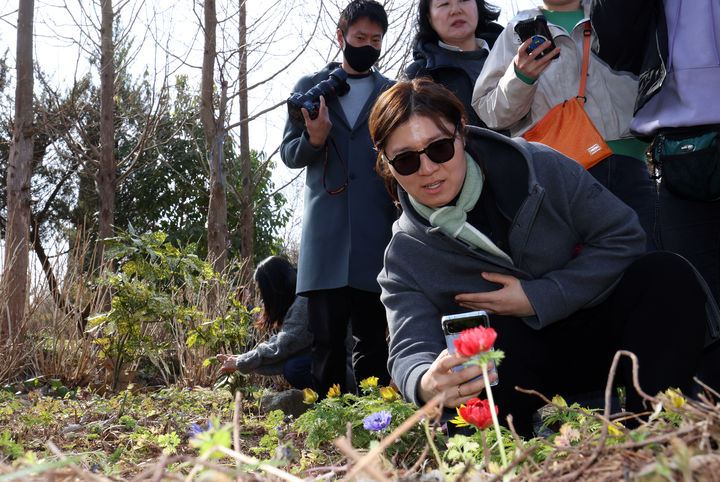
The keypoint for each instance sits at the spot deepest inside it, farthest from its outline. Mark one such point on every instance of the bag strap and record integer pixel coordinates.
(586, 56)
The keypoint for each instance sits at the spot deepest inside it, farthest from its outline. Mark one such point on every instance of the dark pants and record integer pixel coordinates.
(657, 311)
(629, 179)
(329, 312)
(692, 229)
(297, 372)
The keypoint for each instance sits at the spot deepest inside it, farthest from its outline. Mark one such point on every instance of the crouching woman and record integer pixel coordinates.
(288, 351)
(526, 234)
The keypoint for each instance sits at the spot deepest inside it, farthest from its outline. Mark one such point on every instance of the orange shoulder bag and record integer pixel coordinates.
(567, 127)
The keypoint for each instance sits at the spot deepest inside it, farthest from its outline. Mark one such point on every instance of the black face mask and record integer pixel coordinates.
(360, 58)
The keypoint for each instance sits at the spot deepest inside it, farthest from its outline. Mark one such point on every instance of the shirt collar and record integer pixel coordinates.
(481, 43)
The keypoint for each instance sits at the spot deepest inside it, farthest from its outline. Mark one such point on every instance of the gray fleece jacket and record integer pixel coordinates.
(294, 339)
(570, 240)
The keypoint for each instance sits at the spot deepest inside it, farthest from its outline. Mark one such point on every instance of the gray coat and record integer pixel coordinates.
(554, 206)
(293, 340)
(344, 235)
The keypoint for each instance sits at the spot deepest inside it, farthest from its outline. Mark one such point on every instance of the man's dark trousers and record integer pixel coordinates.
(329, 312)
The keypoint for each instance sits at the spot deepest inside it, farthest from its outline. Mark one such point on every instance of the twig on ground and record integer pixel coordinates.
(518, 440)
(84, 474)
(253, 461)
(606, 413)
(236, 421)
(347, 449)
(659, 438)
(486, 452)
(420, 460)
(160, 468)
(514, 463)
(708, 388)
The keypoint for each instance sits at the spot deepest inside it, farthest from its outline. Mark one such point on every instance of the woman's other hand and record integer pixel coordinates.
(510, 300)
(458, 390)
(528, 64)
(229, 362)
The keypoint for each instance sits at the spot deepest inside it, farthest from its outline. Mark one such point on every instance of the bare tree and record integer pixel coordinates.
(246, 194)
(77, 128)
(18, 181)
(105, 177)
(271, 38)
(214, 128)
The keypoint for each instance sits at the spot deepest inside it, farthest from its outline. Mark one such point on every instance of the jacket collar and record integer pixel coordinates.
(508, 170)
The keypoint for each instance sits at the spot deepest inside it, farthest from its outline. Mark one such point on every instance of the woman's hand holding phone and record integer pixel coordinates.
(529, 64)
(440, 378)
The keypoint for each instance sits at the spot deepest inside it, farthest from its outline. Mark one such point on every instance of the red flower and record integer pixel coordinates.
(477, 412)
(475, 340)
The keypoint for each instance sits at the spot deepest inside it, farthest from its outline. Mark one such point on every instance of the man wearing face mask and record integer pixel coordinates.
(348, 213)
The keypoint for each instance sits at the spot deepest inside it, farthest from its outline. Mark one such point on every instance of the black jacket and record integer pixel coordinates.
(632, 36)
(457, 71)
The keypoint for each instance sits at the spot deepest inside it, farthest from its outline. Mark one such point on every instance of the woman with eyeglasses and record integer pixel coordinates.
(526, 234)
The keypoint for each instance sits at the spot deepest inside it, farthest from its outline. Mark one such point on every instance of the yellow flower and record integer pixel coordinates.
(560, 401)
(369, 382)
(388, 394)
(494, 468)
(310, 396)
(675, 396)
(334, 391)
(614, 429)
(459, 421)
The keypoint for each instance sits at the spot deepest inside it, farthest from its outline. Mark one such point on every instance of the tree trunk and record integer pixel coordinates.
(214, 136)
(105, 177)
(247, 207)
(19, 172)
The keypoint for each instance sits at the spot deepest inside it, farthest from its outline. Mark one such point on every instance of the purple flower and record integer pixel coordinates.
(195, 429)
(377, 421)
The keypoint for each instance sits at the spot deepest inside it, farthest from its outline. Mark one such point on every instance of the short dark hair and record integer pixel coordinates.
(358, 9)
(395, 106)
(276, 279)
(425, 33)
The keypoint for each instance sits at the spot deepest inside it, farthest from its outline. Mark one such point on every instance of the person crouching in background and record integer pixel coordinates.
(288, 351)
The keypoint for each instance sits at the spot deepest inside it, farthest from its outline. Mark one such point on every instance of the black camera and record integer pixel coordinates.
(537, 29)
(335, 86)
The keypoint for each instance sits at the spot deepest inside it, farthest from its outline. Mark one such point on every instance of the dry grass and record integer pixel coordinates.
(688, 451)
(57, 346)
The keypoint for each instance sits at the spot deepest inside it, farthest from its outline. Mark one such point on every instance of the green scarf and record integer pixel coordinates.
(452, 219)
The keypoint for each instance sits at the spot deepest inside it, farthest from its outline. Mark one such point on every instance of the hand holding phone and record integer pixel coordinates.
(453, 325)
(537, 29)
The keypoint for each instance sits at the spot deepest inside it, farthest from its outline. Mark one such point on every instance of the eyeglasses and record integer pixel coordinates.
(439, 151)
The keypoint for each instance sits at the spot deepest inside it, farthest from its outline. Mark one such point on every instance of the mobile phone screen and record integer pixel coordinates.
(452, 325)
(464, 321)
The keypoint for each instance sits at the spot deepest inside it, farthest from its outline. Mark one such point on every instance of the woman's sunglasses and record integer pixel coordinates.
(440, 151)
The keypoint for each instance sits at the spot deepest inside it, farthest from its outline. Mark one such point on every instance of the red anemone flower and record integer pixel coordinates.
(477, 412)
(475, 340)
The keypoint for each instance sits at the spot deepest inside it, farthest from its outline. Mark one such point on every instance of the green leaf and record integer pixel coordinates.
(94, 322)
(32, 382)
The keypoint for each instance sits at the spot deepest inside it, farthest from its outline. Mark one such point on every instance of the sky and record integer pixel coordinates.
(167, 40)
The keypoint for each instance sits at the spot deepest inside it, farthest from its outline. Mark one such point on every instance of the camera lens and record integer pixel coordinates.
(335, 86)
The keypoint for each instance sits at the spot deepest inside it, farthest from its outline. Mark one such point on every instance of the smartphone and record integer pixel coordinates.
(536, 28)
(453, 325)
